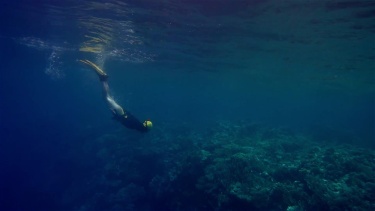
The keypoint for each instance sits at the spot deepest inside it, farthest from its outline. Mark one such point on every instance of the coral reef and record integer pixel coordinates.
(230, 167)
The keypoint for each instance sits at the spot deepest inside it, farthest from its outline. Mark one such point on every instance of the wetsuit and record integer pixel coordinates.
(130, 121)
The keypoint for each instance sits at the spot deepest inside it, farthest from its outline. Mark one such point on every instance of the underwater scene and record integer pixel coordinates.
(187, 105)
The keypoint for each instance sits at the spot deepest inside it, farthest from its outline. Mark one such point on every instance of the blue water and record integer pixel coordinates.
(189, 66)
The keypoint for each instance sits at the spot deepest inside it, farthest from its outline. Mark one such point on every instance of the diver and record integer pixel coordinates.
(119, 114)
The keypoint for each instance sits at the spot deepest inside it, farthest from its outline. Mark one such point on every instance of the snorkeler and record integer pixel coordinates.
(124, 117)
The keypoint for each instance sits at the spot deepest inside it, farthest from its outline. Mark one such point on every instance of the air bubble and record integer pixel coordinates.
(54, 64)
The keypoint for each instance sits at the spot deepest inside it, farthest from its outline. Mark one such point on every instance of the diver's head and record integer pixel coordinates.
(147, 124)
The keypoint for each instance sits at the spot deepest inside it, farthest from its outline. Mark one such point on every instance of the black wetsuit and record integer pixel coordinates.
(129, 121)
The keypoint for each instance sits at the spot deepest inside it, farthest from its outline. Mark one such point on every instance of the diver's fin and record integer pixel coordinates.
(102, 75)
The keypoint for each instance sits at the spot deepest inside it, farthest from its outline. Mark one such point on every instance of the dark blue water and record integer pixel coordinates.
(235, 89)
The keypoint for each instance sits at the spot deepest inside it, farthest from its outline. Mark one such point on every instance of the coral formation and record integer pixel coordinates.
(230, 167)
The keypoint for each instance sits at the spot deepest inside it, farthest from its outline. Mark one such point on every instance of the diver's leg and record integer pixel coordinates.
(103, 78)
(102, 75)
(116, 108)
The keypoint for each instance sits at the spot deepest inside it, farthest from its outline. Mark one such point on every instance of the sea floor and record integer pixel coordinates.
(229, 167)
